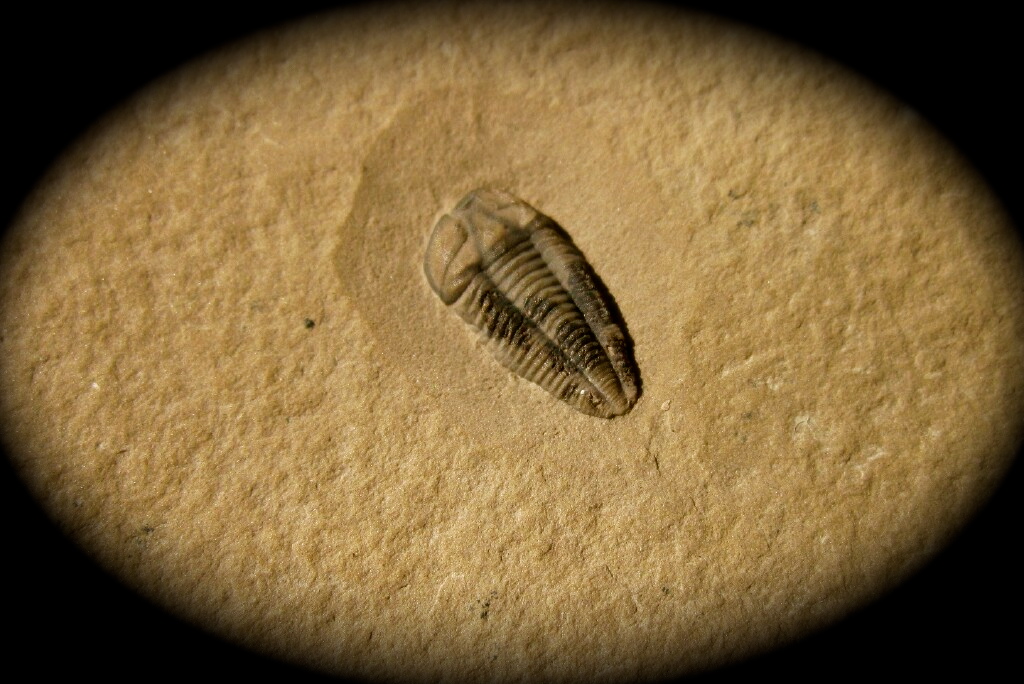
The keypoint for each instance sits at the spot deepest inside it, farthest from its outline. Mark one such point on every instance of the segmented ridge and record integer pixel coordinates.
(523, 347)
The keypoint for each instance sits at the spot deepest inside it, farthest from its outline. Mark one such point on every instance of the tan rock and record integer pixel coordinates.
(825, 303)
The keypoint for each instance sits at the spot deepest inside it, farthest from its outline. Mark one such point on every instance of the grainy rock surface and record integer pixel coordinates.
(826, 306)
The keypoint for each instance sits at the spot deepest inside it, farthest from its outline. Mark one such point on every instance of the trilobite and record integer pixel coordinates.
(516, 276)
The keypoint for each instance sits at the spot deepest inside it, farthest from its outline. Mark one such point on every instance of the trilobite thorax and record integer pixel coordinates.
(516, 276)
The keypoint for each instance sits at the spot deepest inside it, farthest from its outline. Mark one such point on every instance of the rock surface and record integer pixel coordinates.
(825, 301)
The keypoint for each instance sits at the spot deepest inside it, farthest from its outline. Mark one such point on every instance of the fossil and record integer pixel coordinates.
(516, 276)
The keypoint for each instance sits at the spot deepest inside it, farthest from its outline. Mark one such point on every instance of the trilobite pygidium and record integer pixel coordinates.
(515, 275)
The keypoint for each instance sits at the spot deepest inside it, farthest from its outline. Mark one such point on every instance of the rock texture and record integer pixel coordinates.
(825, 303)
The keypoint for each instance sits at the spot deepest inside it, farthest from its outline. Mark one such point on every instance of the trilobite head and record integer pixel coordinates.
(459, 247)
(515, 275)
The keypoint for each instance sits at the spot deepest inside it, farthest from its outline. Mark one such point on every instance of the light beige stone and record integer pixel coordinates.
(825, 302)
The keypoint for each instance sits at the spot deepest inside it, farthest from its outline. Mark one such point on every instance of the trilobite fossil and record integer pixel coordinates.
(516, 276)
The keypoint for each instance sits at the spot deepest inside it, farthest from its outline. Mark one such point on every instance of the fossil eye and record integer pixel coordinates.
(516, 276)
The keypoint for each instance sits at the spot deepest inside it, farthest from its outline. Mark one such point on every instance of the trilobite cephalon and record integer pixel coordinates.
(515, 275)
